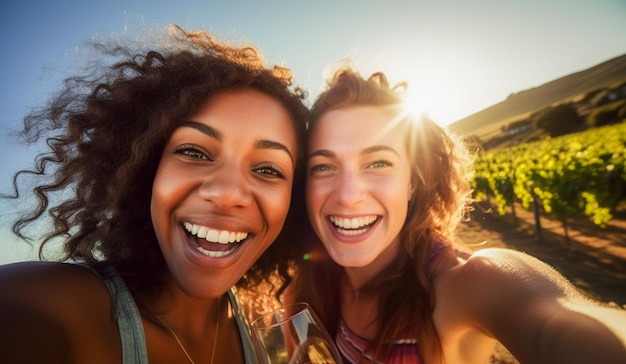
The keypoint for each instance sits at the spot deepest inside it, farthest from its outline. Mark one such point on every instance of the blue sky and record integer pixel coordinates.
(460, 56)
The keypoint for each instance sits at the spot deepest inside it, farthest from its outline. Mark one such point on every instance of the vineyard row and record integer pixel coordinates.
(572, 175)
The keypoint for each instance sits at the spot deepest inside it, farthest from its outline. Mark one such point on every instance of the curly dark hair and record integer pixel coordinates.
(106, 131)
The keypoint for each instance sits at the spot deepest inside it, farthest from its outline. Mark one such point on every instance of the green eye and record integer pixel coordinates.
(320, 168)
(380, 164)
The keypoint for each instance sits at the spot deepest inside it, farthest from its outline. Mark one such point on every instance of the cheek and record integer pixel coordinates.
(169, 189)
(400, 199)
(275, 207)
(163, 190)
(173, 183)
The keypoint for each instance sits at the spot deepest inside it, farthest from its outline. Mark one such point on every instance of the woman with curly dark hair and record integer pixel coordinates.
(173, 169)
(385, 192)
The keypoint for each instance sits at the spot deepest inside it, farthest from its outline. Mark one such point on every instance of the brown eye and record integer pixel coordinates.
(192, 152)
(270, 171)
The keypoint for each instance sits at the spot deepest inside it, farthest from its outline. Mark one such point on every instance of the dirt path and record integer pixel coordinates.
(593, 259)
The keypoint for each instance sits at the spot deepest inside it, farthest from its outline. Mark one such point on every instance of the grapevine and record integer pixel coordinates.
(571, 175)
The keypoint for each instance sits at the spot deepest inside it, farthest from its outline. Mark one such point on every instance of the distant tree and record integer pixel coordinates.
(558, 120)
(591, 95)
(608, 114)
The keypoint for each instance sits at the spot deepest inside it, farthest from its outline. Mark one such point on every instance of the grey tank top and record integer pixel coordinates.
(130, 326)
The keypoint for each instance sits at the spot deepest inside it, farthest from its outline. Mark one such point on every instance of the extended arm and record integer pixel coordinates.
(537, 314)
(55, 313)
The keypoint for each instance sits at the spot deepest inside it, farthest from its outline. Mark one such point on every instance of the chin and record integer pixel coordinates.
(351, 261)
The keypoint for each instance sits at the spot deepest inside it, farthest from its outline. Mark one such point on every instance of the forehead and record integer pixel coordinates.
(247, 113)
(244, 104)
(357, 126)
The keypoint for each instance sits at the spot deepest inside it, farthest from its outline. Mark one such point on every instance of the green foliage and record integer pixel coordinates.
(558, 120)
(608, 114)
(576, 174)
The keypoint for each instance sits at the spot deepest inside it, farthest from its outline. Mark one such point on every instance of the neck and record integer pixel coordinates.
(190, 342)
(360, 276)
(359, 311)
(189, 316)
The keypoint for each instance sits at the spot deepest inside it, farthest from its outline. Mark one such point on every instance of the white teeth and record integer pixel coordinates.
(354, 226)
(212, 236)
(354, 223)
(212, 253)
(351, 232)
(215, 236)
(201, 231)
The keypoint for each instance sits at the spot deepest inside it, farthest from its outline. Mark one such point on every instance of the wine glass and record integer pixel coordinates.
(293, 334)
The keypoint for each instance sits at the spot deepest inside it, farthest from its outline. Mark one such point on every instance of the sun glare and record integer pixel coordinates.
(414, 104)
(429, 100)
(429, 91)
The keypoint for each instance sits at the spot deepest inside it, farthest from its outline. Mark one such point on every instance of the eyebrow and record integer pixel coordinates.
(379, 148)
(213, 133)
(320, 153)
(204, 129)
(369, 150)
(269, 144)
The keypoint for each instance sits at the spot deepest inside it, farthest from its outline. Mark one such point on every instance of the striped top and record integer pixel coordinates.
(353, 347)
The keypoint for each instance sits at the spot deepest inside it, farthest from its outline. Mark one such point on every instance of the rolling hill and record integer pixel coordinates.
(520, 104)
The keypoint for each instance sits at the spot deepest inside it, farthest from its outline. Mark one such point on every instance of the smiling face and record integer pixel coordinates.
(223, 188)
(358, 185)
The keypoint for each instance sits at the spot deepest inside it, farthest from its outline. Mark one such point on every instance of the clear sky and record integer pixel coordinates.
(461, 56)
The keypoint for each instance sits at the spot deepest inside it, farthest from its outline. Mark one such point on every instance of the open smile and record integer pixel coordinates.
(353, 226)
(213, 242)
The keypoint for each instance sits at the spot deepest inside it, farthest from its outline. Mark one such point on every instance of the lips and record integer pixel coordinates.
(353, 226)
(213, 242)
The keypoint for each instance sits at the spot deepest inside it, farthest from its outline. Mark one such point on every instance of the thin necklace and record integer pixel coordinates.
(217, 327)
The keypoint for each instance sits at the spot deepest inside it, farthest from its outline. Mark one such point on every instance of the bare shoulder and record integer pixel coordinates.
(31, 281)
(530, 308)
(494, 286)
(55, 305)
(512, 271)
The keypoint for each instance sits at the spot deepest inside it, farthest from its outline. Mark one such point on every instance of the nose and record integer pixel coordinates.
(226, 188)
(350, 189)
